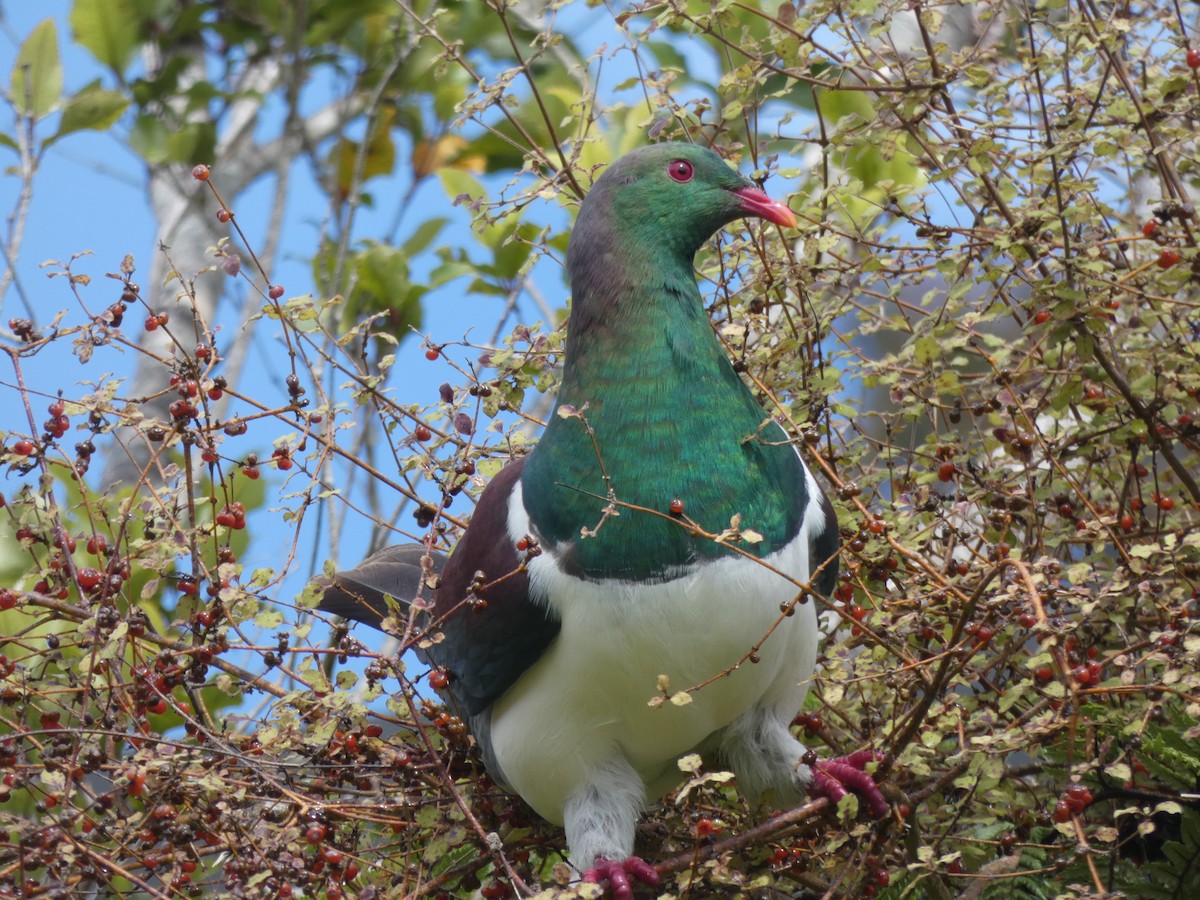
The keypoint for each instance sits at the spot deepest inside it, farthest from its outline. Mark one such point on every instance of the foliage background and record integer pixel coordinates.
(985, 336)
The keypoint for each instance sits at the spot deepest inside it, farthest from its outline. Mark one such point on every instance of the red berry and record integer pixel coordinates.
(1044, 673)
(275, 292)
(200, 172)
(704, 827)
(1062, 812)
(224, 215)
(56, 408)
(676, 507)
(180, 409)
(1150, 227)
(432, 353)
(203, 352)
(151, 322)
(89, 578)
(438, 679)
(1193, 58)
(1167, 258)
(315, 833)
(1166, 504)
(1042, 316)
(250, 472)
(23, 447)
(215, 393)
(1078, 797)
(422, 433)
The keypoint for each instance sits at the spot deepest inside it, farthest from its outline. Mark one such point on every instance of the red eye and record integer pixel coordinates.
(681, 170)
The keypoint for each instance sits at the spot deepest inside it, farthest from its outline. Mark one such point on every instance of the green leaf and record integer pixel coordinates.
(92, 108)
(110, 29)
(268, 618)
(37, 77)
(423, 236)
(194, 143)
(926, 349)
(456, 183)
(148, 139)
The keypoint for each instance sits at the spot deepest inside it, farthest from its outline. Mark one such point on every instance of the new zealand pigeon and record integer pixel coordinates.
(582, 578)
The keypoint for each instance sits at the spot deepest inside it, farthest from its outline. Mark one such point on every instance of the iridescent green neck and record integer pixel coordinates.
(671, 421)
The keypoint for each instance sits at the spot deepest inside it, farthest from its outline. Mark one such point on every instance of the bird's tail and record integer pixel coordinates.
(382, 585)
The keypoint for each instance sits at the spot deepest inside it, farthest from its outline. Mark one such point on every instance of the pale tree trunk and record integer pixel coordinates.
(188, 229)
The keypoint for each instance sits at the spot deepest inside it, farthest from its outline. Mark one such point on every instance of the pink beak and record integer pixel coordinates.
(756, 203)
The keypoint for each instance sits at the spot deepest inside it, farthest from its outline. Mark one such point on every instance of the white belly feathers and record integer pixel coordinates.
(587, 699)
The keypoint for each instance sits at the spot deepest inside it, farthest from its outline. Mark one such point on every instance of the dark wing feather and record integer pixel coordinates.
(484, 646)
(824, 546)
(487, 648)
(359, 593)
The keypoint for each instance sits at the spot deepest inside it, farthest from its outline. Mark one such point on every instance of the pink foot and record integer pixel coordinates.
(836, 778)
(617, 875)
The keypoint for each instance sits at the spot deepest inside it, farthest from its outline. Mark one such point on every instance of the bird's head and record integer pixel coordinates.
(670, 198)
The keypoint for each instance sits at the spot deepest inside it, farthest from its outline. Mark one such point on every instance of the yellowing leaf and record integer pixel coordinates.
(446, 152)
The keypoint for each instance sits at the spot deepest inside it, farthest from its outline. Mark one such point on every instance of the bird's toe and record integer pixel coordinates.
(618, 872)
(835, 778)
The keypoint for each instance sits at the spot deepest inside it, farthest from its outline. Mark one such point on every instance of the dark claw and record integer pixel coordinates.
(617, 875)
(838, 777)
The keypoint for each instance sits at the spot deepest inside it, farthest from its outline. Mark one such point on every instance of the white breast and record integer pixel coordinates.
(587, 699)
